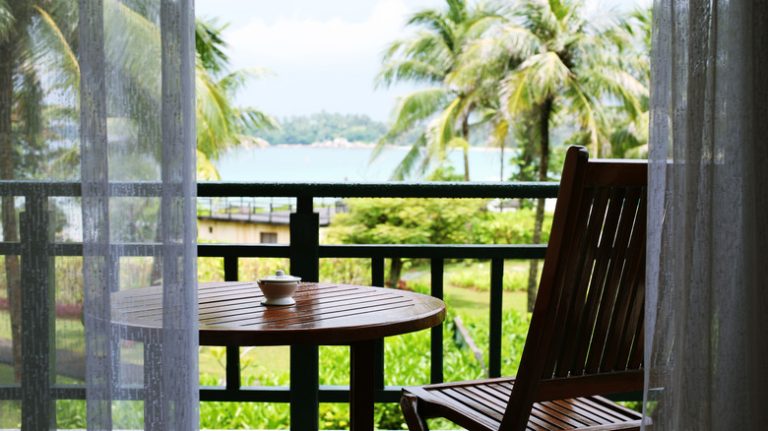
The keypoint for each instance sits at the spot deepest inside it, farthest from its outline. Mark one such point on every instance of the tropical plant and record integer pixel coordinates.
(558, 67)
(221, 124)
(443, 111)
(629, 136)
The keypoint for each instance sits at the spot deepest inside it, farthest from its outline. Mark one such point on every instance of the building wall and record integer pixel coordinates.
(239, 232)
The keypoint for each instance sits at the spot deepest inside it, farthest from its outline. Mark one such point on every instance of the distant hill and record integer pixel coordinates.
(324, 126)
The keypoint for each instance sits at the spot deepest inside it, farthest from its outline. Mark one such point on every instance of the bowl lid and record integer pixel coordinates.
(280, 277)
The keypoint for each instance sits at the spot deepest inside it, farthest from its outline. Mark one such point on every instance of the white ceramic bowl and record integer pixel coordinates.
(278, 289)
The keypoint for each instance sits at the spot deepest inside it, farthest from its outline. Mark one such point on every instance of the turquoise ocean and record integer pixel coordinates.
(302, 163)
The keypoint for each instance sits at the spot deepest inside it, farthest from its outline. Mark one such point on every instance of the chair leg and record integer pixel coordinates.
(409, 404)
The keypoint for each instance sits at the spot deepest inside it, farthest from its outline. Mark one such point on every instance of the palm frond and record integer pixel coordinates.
(409, 70)
(6, 20)
(210, 45)
(408, 163)
(57, 48)
(133, 45)
(589, 115)
(415, 108)
(441, 130)
(234, 81)
(215, 129)
(206, 170)
(253, 119)
(436, 21)
(423, 58)
(622, 86)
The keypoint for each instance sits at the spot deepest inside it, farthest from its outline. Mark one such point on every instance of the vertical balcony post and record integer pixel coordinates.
(497, 296)
(436, 343)
(38, 316)
(377, 279)
(305, 263)
(231, 273)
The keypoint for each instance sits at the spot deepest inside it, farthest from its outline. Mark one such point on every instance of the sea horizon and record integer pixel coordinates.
(351, 162)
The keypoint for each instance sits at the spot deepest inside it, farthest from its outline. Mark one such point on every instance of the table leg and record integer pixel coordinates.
(305, 401)
(362, 385)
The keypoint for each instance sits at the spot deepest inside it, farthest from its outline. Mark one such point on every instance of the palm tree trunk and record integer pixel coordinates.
(395, 270)
(9, 219)
(533, 272)
(465, 135)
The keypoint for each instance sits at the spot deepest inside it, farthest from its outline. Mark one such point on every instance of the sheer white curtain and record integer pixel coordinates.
(137, 124)
(707, 297)
(97, 99)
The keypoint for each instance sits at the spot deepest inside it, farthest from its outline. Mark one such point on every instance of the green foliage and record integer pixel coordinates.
(407, 221)
(510, 227)
(323, 126)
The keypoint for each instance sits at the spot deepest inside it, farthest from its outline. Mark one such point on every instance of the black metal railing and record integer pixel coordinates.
(304, 252)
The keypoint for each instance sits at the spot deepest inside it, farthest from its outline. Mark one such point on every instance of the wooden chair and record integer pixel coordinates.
(586, 333)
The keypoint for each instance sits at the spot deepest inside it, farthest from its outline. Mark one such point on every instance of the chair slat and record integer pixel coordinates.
(627, 277)
(600, 274)
(566, 410)
(597, 209)
(618, 241)
(554, 417)
(638, 348)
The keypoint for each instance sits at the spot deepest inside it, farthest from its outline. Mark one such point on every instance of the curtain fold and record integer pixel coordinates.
(708, 217)
(137, 110)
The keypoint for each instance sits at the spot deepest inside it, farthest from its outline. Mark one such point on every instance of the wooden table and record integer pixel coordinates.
(231, 313)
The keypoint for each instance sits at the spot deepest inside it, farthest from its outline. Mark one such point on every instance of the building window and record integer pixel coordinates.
(268, 237)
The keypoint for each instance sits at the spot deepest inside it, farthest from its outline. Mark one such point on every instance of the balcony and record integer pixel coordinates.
(304, 253)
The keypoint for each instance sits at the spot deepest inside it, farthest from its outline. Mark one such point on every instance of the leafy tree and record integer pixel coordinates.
(406, 221)
(560, 67)
(629, 135)
(443, 111)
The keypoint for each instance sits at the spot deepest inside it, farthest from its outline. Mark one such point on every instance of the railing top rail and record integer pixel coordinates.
(301, 190)
(381, 189)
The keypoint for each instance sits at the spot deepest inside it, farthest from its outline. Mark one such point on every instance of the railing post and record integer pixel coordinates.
(377, 279)
(231, 273)
(436, 343)
(305, 263)
(38, 317)
(497, 296)
(231, 270)
(305, 241)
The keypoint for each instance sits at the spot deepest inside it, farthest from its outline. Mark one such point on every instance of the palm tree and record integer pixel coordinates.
(443, 111)
(220, 124)
(559, 66)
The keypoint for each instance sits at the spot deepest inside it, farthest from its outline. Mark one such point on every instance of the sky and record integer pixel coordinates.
(324, 55)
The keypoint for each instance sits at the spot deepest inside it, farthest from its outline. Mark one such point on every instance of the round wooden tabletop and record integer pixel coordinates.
(324, 313)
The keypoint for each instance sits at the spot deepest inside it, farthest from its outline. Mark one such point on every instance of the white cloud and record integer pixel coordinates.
(301, 40)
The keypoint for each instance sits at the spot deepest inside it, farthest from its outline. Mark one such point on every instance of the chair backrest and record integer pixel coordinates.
(586, 333)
